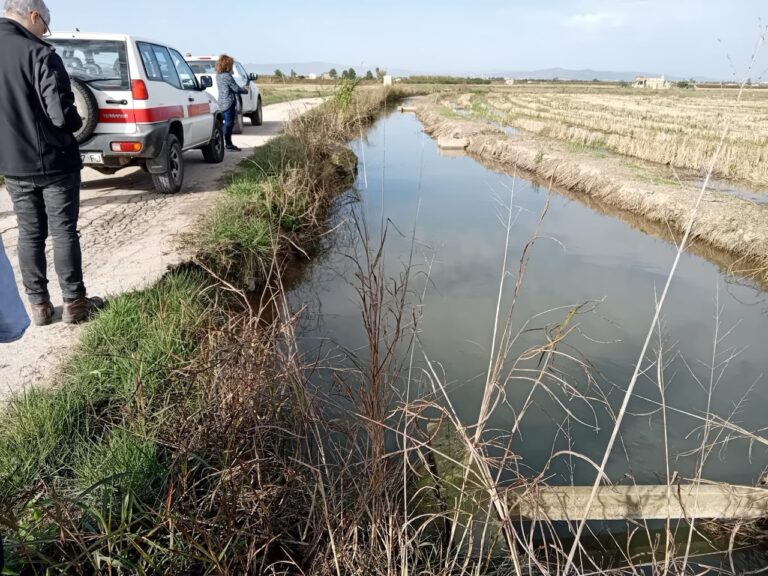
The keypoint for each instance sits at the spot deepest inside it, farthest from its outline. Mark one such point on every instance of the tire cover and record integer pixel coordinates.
(87, 107)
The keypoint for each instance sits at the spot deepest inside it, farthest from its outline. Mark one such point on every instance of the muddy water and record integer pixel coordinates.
(457, 208)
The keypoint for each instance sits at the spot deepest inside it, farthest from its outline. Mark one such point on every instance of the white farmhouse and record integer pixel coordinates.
(659, 83)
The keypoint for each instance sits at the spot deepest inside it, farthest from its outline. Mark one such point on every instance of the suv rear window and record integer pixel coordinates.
(103, 64)
(202, 66)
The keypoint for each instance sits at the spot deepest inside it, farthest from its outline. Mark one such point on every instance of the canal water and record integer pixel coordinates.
(450, 212)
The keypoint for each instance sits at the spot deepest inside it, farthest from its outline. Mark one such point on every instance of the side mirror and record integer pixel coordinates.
(206, 82)
(253, 77)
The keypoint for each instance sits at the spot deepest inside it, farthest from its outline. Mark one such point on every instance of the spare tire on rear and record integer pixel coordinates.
(87, 107)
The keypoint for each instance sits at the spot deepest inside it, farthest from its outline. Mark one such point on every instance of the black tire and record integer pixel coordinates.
(238, 127)
(170, 181)
(87, 107)
(257, 118)
(213, 152)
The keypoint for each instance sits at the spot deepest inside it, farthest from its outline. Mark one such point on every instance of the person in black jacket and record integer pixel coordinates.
(40, 160)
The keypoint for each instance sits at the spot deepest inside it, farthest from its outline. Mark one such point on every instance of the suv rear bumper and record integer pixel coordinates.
(151, 137)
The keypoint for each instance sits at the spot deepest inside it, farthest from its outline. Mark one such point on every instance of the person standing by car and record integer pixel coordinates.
(40, 160)
(228, 93)
(13, 318)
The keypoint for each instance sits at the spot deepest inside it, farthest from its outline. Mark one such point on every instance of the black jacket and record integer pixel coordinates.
(37, 108)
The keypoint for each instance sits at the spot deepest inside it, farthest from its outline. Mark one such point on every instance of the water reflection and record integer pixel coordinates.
(456, 207)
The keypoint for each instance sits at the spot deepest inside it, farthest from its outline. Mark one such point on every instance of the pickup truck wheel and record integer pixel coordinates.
(257, 118)
(87, 107)
(170, 181)
(213, 152)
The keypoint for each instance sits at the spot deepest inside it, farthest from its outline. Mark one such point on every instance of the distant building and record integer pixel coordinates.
(312, 76)
(387, 80)
(509, 81)
(659, 83)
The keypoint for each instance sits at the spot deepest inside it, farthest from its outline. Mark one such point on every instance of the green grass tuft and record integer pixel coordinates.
(122, 464)
(128, 356)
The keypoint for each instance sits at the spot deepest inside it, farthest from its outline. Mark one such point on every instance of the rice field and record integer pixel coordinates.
(679, 128)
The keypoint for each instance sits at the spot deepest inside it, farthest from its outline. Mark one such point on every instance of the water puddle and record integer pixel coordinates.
(725, 187)
(494, 118)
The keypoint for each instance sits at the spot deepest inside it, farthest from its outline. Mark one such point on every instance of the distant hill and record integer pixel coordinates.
(566, 74)
(306, 68)
(588, 74)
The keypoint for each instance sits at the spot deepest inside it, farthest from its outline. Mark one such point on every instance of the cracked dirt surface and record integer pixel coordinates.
(128, 235)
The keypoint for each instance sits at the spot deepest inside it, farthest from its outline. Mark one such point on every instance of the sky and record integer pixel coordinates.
(680, 38)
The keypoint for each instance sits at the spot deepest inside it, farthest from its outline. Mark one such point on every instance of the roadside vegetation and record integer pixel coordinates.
(179, 437)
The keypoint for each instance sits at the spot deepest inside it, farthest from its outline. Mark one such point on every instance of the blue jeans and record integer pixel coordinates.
(13, 317)
(229, 123)
(44, 203)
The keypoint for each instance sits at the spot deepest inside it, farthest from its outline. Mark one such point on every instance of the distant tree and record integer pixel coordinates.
(278, 73)
(683, 84)
(293, 73)
(351, 74)
(624, 84)
(332, 73)
(369, 75)
(595, 80)
(344, 74)
(380, 73)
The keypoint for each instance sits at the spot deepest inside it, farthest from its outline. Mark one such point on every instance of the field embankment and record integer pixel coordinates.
(679, 128)
(725, 222)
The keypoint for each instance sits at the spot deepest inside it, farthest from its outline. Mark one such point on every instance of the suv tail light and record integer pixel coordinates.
(139, 90)
(126, 146)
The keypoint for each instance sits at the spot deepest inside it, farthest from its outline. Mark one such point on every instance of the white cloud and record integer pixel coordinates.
(596, 21)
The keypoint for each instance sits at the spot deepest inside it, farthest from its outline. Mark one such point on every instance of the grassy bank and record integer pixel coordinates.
(178, 438)
(276, 93)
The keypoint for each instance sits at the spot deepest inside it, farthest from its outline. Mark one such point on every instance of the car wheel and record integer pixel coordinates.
(213, 152)
(87, 107)
(170, 181)
(238, 127)
(257, 118)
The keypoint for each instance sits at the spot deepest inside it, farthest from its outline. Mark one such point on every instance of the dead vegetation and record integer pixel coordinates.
(680, 128)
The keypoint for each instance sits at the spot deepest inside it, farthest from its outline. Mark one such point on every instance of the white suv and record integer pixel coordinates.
(141, 105)
(247, 104)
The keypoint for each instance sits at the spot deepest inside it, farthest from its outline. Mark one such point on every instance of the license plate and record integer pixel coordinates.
(92, 158)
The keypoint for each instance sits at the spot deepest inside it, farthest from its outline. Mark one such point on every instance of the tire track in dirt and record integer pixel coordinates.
(129, 237)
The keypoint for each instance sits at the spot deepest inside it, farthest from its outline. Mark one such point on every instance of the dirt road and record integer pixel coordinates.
(128, 236)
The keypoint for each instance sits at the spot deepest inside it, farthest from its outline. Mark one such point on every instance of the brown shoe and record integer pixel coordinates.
(42, 314)
(81, 310)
